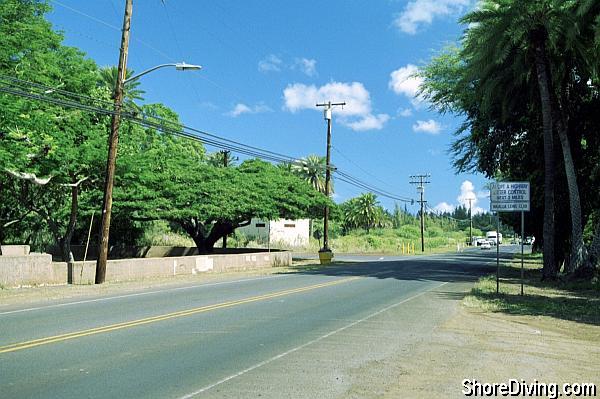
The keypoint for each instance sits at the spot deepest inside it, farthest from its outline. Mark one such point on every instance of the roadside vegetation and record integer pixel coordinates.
(524, 79)
(568, 299)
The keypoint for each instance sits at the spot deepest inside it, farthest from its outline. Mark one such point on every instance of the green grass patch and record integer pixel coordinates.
(569, 300)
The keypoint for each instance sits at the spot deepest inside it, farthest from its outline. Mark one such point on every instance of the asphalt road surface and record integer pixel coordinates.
(308, 334)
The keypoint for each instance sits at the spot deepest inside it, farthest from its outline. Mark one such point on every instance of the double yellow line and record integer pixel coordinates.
(119, 326)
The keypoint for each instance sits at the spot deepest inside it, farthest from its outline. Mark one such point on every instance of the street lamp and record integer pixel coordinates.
(180, 66)
(113, 141)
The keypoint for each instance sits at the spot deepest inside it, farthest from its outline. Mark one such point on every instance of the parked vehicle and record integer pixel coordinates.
(493, 237)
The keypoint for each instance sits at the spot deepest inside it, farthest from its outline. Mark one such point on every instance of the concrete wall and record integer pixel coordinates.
(38, 269)
(33, 269)
(144, 252)
(15, 250)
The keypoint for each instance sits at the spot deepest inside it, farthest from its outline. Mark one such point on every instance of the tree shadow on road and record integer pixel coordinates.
(443, 268)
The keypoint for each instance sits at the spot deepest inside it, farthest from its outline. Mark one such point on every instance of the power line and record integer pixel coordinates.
(114, 27)
(359, 167)
(48, 94)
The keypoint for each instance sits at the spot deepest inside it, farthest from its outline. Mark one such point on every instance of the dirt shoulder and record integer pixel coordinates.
(549, 335)
(494, 348)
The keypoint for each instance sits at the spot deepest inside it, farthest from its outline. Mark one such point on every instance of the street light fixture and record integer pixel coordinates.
(113, 141)
(180, 66)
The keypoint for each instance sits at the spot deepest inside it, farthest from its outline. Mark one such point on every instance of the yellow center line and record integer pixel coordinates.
(188, 312)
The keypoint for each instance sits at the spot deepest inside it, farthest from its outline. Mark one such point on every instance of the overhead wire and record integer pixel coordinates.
(359, 167)
(45, 93)
(109, 25)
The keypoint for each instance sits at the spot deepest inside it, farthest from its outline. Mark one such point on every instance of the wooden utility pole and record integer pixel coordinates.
(113, 141)
(421, 181)
(470, 221)
(327, 115)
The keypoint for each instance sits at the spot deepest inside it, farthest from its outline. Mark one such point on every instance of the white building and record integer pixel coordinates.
(293, 233)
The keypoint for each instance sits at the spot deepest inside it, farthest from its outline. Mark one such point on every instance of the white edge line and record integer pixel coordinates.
(279, 356)
(59, 305)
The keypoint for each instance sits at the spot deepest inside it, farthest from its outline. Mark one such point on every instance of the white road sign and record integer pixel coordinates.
(510, 196)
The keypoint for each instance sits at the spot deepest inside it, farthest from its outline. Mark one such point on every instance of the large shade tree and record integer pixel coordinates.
(54, 152)
(210, 202)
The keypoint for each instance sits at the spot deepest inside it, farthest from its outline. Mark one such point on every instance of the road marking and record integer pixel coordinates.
(297, 348)
(188, 287)
(182, 313)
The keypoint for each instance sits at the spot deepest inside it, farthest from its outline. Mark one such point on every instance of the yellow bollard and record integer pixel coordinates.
(402, 248)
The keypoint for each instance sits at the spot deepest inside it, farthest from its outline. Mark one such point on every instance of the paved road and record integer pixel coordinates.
(289, 335)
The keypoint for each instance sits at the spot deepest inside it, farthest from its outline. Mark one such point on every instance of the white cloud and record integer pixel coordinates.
(467, 191)
(405, 112)
(357, 114)
(300, 96)
(208, 105)
(307, 66)
(369, 122)
(444, 207)
(429, 127)
(274, 63)
(271, 63)
(240, 109)
(405, 82)
(418, 13)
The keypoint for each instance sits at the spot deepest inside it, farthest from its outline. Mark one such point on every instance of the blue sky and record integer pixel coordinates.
(266, 63)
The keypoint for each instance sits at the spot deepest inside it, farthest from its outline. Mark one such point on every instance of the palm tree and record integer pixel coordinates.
(131, 92)
(312, 169)
(364, 212)
(508, 42)
(222, 159)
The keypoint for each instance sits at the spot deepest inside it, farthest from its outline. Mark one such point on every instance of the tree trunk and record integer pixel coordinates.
(219, 229)
(593, 256)
(549, 270)
(577, 248)
(195, 229)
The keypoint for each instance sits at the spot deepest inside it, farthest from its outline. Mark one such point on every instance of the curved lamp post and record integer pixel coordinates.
(180, 66)
(113, 141)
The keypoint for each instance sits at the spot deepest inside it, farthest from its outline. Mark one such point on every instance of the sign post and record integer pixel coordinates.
(509, 197)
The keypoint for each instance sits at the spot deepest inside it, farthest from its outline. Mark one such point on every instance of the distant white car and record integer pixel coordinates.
(486, 245)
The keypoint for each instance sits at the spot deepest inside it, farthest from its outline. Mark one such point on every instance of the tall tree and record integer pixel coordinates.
(53, 147)
(518, 59)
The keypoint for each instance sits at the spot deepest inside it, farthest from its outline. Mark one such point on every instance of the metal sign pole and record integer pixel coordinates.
(498, 254)
(522, 243)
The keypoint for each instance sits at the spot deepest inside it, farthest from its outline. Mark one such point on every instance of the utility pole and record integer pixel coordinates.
(225, 164)
(470, 221)
(421, 181)
(327, 115)
(113, 141)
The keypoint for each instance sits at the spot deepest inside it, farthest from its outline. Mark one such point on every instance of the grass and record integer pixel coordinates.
(568, 300)
(391, 241)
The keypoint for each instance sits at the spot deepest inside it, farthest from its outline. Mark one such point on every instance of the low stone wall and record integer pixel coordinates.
(40, 270)
(15, 250)
(146, 252)
(33, 269)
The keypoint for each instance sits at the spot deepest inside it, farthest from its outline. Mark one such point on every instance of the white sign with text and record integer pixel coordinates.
(510, 197)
